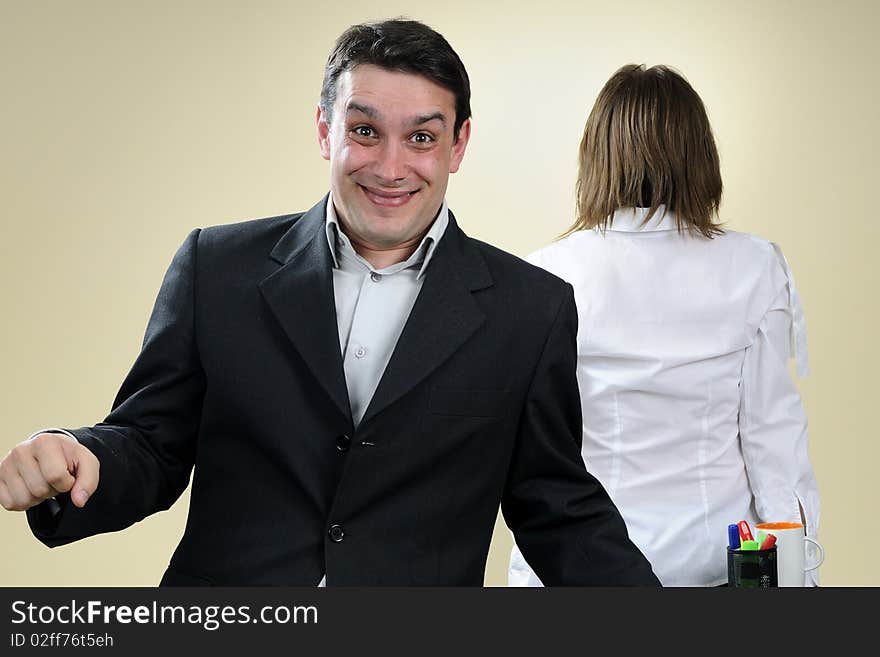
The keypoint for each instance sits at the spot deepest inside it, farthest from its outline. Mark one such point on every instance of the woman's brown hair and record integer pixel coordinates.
(648, 142)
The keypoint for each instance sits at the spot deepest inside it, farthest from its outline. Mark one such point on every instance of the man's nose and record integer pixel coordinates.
(392, 165)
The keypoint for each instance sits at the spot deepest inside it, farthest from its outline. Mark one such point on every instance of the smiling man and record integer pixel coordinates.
(391, 151)
(357, 387)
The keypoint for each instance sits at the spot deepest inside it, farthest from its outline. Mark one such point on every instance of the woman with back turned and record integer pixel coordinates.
(691, 420)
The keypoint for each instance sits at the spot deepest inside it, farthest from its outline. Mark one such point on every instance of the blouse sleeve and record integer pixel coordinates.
(772, 423)
(798, 331)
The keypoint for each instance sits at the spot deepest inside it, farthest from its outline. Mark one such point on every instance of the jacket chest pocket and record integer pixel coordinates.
(460, 402)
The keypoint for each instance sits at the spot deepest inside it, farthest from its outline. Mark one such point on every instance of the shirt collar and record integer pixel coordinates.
(631, 220)
(341, 248)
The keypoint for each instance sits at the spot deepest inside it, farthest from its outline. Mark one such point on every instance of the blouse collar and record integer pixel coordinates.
(632, 220)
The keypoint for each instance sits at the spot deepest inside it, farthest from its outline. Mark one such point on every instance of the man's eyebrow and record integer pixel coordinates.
(426, 118)
(363, 109)
(417, 120)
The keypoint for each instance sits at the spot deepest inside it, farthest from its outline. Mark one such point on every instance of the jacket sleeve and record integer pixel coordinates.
(146, 445)
(772, 420)
(562, 519)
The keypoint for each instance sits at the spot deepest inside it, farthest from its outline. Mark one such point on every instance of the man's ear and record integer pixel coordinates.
(323, 126)
(458, 148)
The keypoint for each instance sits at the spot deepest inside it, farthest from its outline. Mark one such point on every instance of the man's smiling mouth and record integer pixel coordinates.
(387, 199)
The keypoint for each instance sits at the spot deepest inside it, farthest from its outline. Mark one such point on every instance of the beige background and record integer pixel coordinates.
(125, 124)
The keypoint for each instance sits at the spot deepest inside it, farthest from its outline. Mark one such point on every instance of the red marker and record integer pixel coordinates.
(745, 533)
(769, 542)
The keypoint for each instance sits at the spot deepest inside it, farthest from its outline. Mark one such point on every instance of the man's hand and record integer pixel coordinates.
(44, 466)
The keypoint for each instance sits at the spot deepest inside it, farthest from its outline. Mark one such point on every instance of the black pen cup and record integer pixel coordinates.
(751, 569)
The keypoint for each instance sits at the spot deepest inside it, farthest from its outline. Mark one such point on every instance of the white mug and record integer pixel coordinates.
(791, 544)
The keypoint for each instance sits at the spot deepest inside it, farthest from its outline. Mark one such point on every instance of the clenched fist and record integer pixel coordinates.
(44, 466)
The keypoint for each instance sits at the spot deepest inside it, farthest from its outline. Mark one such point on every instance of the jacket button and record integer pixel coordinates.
(336, 533)
(343, 442)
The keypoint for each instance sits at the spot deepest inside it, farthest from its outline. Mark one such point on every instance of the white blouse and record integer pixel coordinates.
(690, 418)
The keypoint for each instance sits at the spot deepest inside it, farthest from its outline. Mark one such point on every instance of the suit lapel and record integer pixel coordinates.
(300, 295)
(443, 317)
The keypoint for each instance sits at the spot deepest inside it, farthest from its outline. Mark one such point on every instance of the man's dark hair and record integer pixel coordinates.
(399, 45)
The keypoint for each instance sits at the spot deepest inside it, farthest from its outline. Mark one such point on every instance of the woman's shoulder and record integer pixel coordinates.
(553, 256)
(747, 240)
(777, 280)
(748, 245)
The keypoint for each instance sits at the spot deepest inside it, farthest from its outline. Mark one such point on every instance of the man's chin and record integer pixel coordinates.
(389, 229)
(387, 242)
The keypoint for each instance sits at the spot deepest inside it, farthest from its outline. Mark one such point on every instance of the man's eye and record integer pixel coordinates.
(422, 138)
(364, 131)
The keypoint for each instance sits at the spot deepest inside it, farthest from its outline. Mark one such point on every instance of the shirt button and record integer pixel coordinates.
(343, 442)
(336, 533)
(360, 352)
(375, 277)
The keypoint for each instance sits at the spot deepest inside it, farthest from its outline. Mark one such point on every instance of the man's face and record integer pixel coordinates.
(391, 149)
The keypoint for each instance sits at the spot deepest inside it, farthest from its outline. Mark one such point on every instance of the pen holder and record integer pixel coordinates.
(751, 569)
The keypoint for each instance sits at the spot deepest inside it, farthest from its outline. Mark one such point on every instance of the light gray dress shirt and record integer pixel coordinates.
(372, 306)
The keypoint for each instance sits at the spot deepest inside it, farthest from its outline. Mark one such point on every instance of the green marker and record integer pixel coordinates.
(749, 546)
